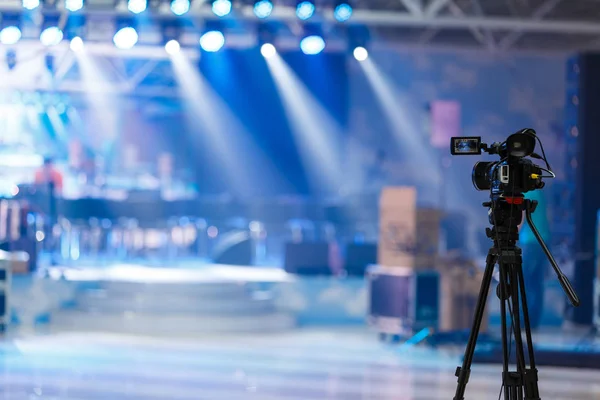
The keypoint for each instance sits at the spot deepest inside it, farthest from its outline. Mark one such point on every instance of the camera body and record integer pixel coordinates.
(506, 177)
(513, 174)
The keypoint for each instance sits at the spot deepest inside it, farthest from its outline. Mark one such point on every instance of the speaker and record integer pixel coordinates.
(583, 171)
(234, 248)
(359, 257)
(310, 258)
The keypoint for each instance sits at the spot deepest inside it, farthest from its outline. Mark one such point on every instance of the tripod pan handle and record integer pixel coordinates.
(568, 289)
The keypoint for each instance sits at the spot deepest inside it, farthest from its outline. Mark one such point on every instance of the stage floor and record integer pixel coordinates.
(301, 365)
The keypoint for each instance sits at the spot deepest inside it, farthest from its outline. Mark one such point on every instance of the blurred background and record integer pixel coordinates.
(256, 199)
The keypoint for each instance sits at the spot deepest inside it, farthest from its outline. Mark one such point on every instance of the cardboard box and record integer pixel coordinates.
(460, 291)
(397, 227)
(409, 237)
(428, 238)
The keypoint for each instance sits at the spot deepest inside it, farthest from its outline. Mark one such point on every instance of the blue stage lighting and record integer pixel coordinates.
(137, 6)
(312, 45)
(31, 4)
(10, 35)
(76, 44)
(263, 8)
(268, 50)
(51, 36)
(305, 10)
(212, 41)
(342, 12)
(172, 47)
(360, 53)
(221, 7)
(73, 5)
(125, 38)
(180, 7)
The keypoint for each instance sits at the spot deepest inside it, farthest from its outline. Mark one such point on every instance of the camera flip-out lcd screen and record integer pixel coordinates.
(465, 145)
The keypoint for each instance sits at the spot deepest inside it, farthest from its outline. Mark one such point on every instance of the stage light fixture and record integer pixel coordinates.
(263, 8)
(342, 11)
(10, 35)
(76, 44)
(212, 41)
(305, 10)
(360, 53)
(11, 59)
(266, 38)
(268, 50)
(125, 38)
(51, 36)
(221, 8)
(73, 5)
(172, 47)
(313, 44)
(137, 6)
(30, 4)
(180, 7)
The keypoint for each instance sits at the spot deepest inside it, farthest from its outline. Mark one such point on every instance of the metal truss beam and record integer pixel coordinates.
(543, 10)
(435, 7)
(475, 31)
(386, 18)
(413, 6)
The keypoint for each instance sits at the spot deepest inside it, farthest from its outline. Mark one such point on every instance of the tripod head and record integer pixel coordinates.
(505, 215)
(508, 180)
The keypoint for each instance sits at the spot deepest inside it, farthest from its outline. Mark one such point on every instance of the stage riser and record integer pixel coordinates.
(104, 301)
(177, 325)
(170, 309)
(198, 289)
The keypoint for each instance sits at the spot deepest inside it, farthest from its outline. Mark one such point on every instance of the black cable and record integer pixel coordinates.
(543, 152)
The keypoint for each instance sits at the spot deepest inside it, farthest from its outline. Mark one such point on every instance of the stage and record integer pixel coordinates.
(343, 364)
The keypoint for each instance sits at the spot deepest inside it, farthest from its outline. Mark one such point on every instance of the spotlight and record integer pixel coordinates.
(137, 6)
(342, 12)
(125, 38)
(51, 36)
(73, 5)
(180, 7)
(268, 50)
(263, 8)
(305, 10)
(360, 53)
(10, 35)
(171, 32)
(172, 47)
(76, 44)
(221, 8)
(212, 41)
(312, 45)
(31, 4)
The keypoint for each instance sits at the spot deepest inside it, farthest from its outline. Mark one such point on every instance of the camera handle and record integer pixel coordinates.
(530, 206)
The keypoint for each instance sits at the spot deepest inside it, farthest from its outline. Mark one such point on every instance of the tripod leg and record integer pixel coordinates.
(507, 377)
(530, 378)
(463, 372)
(516, 321)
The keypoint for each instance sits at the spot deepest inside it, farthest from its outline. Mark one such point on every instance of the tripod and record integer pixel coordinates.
(505, 216)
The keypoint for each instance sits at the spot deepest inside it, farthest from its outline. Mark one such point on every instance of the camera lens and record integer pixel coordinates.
(481, 175)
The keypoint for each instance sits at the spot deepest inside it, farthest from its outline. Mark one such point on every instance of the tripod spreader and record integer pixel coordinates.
(530, 207)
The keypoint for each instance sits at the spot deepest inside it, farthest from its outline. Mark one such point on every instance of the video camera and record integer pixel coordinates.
(513, 174)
